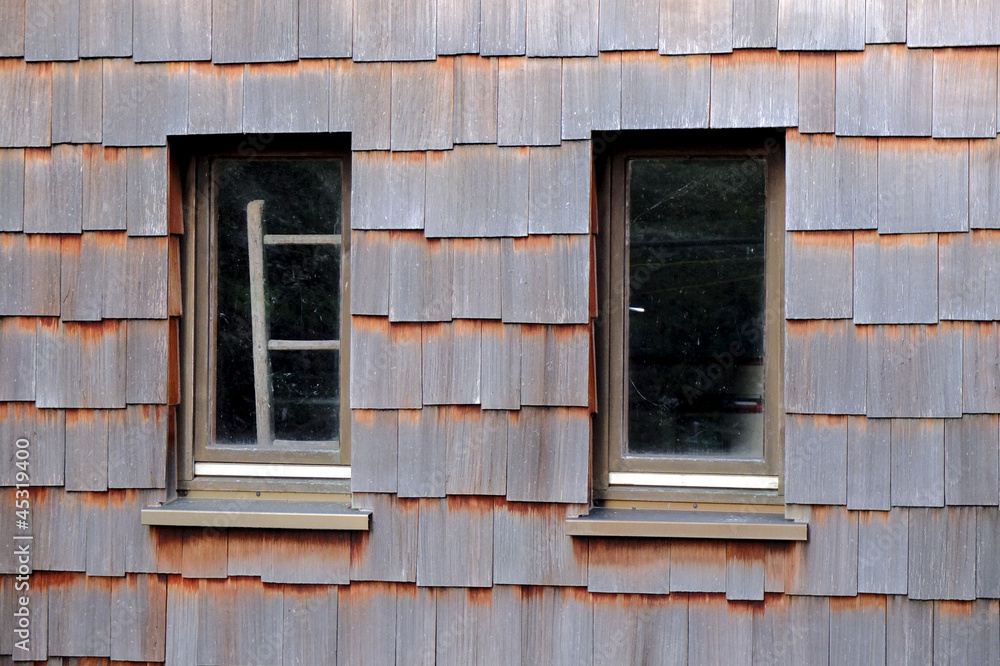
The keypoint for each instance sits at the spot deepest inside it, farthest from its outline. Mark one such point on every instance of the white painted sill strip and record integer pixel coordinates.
(273, 471)
(727, 481)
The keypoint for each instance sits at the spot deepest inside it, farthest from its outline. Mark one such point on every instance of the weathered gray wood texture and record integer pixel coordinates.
(895, 278)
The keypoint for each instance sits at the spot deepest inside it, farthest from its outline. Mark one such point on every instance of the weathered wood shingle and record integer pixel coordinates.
(144, 102)
(451, 354)
(895, 278)
(146, 191)
(76, 102)
(370, 272)
(971, 464)
(52, 30)
(857, 631)
(969, 275)
(11, 28)
(167, 30)
(559, 189)
(137, 447)
(755, 89)
(560, 28)
(555, 365)
(646, 80)
(53, 190)
(808, 26)
(11, 189)
(882, 551)
(325, 29)
(388, 190)
(254, 30)
(547, 455)
(831, 182)
(477, 191)
(502, 30)
(310, 623)
(242, 608)
(923, 186)
(915, 371)
(455, 542)
(105, 28)
(697, 566)
(385, 373)
(546, 280)
(827, 564)
(868, 447)
(825, 367)
(87, 454)
(530, 546)
(26, 104)
(885, 91)
(640, 566)
(981, 368)
(631, 628)
(818, 280)
(374, 438)
(476, 453)
(591, 95)
(45, 430)
(29, 267)
(628, 25)
(423, 437)
(691, 27)
(965, 93)
(476, 278)
(556, 626)
(215, 99)
(941, 23)
(468, 618)
(501, 369)
(817, 87)
(287, 97)
(917, 455)
(475, 110)
(138, 618)
(458, 27)
(885, 21)
(422, 105)
(80, 622)
(17, 359)
(967, 632)
(987, 552)
(395, 31)
(104, 188)
(420, 274)
(529, 107)
(359, 103)
(147, 361)
(307, 557)
(816, 459)
(942, 553)
(388, 550)
(717, 631)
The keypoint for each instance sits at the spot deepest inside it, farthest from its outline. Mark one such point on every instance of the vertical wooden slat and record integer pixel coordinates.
(561, 28)
(502, 30)
(936, 23)
(818, 275)
(306, 557)
(258, 316)
(388, 190)
(923, 186)
(105, 547)
(309, 624)
(29, 266)
(374, 437)
(370, 272)
(981, 368)
(528, 102)
(182, 621)
(530, 546)
(475, 109)
(144, 102)
(476, 453)
(87, 450)
(885, 91)
(966, 632)
(972, 460)
(825, 367)
(26, 104)
(254, 31)
(745, 572)
(422, 448)
(11, 190)
(631, 628)
(385, 368)
(76, 102)
(366, 631)
(360, 104)
(755, 24)
(248, 613)
(46, 432)
(105, 28)
(719, 631)
(547, 455)
(885, 21)
(168, 30)
(831, 182)
(80, 365)
(826, 565)
(965, 93)
(137, 447)
(422, 105)
(857, 631)
(467, 623)
(52, 30)
(925, 360)
(476, 292)
(556, 626)
(53, 190)
(215, 99)
(146, 361)
(80, 620)
(11, 28)
(806, 26)
(325, 32)
(104, 188)
(559, 188)
(555, 365)
(693, 26)
(942, 553)
(895, 278)
(969, 272)
(882, 546)
(917, 455)
(59, 527)
(646, 78)
(455, 542)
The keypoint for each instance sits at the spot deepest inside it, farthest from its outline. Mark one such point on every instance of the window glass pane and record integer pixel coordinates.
(696, 307)
(305, 389)
(303, 291)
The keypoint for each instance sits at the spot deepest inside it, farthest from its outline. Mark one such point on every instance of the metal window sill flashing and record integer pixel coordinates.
(668, 523)
(225, 512)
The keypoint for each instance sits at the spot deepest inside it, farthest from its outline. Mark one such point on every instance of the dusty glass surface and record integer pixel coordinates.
(302, 296)
(696, 284)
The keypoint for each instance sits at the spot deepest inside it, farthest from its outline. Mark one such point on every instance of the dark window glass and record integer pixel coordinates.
(302, 296)
(696, 286)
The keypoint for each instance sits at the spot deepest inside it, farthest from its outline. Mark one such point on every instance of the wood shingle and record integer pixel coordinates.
(646, 78)
(806, 26)
(940, 23)
(45, 431)
(17, 359)
(923, 186)
(423, 441)
(364, 611)
(476, 452)
(501, 366)
(561, 28)
(755, 89)
(755, 24)
(11, 28)
(388, 190)
(167, 30)
(388, 550)
(591, 95)
(630, 628)
(530, 546)
(455, 542)
(385, 373)
(451, 354)
(818, 279)
(475, 89)
(310, 623)
(967, 632)
(105, 28)
(546, 280)
(827, 564)
(745, 565)
(80, 365)
(87, 453)
(215, 99)
(926, 360)
(76, 102)
(885, 91)
(420, 275)
(987, 552)
(895, 278)
(138, 616)
(467, 619)
(969, 273)
(885, 21)
(529, 106)
(325, 32)
(53, 190)
(981, 368)
(692, 27)
(816, 459)
(559, 188)
(104, 183)
(11, 189)
(146, 191)
(502, 28)
(718, 632)
(627, 26)
(147, 361)
(242, 608)
(917, 469)
(457, 27)
(307, 557)
(868, 451)
(422, 103)
(965, 93)
(83, 624)
(817, 87)
(30, 265)
(26, 103)
(52, 30)
(825, 367)
(831, 183)
(144, 102)
(476, 292)
(360, 104)
(909, 630)
(395, 31)
(547, 455)
(254, 31)
(137, 447)
(370, 272)
(556, 626)
(287, 97)
(942, 553)
(882, 551)
(416, 625)
(374, 439)
(857, 631)
(972, 460)
(555, 365)
(697, 566)
(639, 566)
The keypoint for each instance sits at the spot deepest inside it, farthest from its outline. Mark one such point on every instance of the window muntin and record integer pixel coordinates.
(696, 296)
(271, 322)
(629, 466)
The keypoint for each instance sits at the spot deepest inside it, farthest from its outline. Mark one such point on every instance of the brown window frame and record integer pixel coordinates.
(611, 421)
(192, 164)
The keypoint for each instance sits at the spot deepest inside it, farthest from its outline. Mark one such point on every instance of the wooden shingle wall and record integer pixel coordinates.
(473, 126)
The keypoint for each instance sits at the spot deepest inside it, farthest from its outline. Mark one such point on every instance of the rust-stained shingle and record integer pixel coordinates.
(254, 31)
(204, 552)
(59, 527)
(825, 367)
(559, 188)
(627, 25)
(325, 32)
(52, 30)
(857, 631)
(719, 631)
(971, 465)
(816, 459)
(556, 626)
(942, 553)
(965, 93)
(105, 28)
(476, 455)
(373, 450)
(546, 280)
(291, 97)
(502, 28)
(416, 625)
(591, 94)
(695, 26)
(370, 272)
(451, 354)
(360, 104)
(76, 102)
(966, 633)
(560, 28)
(753, 88)
(11, 189)
(555, 365)
(475, 109)
(895, 278)
(809, 26)
(468, 620)
(630, 629)
(817, 86)
(87, 451)
(182, 621)
(80, 365)
(665, 93)
(422, 102)
(422, 450)
(215, 98)
(868, 447)
(144, 102)
(385, 370)
(388, 550)
(831, 183)
(138, 618)
(639, 566)
(104, 193)
(547, 453)
(310, 623)
(17, 359)
(476, 292)
(529, 107)
(923, 186)
(307, 557)
(455, 542)
(530, 546)
(909, 630)
(25, 103)
(915, 371)
(45, 431)
(884, 91)
(246, 610)
(818, 279)
(987, 552)
(80, 623)
(171, 30)
(137, 447)
(420, 275)
(53, 190)
(882, 551)
(478, 191)
(367, 611)
(827, 564)
(697, 566)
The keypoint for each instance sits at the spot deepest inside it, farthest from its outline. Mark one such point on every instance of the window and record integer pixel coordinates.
(265, 254)
(691, 335)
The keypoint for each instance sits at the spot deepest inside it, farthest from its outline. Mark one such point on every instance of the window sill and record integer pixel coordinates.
(257, 513)
(686, 525)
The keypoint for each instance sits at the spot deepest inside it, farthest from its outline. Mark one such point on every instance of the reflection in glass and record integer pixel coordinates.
(696, 307)
(305, 396)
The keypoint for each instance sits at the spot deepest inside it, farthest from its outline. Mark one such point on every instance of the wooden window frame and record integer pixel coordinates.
(611, 421)
(199, 262)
